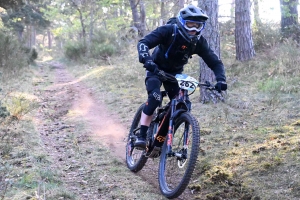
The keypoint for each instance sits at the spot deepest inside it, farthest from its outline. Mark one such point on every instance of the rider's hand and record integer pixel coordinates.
(161, 74)
(150, 65)
(221, 85)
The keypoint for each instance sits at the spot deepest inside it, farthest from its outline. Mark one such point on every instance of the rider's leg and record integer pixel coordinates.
(146, 119)
(145, 123)
(153, 88)
(172, 89)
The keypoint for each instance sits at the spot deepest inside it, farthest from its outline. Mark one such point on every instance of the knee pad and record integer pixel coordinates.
(153, 102)
(154, 95)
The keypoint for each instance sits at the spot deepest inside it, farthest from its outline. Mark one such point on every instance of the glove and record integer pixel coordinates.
(161, 74)
(221, 85)
(150, 65)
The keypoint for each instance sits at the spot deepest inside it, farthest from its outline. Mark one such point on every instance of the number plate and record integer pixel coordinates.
(186, 82)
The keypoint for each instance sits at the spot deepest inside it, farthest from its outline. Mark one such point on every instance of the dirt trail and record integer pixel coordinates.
(76, 155)
(103, 126)
(67, 98)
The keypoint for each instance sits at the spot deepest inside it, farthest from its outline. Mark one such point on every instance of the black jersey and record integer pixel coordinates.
(172, 51)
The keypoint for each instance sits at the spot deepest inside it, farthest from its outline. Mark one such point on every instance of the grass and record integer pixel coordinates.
(22, 168)
(250, 145)
(248, 142)
(27, 171)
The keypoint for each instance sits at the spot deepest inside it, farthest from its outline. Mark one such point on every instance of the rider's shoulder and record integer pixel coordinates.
(165, 29)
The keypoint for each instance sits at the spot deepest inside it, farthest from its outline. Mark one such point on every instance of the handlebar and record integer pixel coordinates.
(207, 84)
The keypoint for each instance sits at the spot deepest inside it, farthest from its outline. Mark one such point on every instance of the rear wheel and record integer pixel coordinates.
(135, 158)
(175, 170)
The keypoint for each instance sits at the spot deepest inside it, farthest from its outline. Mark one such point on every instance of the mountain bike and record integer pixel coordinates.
(173, 135)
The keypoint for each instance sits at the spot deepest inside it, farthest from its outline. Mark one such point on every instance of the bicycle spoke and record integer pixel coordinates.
(176, 170)
(135, 158)
(176, 167)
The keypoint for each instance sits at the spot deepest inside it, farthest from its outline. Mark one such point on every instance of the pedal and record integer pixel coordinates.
(140, 148)
(155, 152)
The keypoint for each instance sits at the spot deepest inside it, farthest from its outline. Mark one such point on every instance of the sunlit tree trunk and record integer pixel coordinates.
(243, 35)
(211, 33)
(49, 39)
(257, 20)
(232, 11)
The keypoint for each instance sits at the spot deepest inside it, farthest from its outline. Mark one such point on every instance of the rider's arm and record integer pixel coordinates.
(211, 59)
(159, 36)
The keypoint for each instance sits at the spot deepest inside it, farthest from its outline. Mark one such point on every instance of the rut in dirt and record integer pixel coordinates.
(102, 125)
(71, 99)
(67, 99)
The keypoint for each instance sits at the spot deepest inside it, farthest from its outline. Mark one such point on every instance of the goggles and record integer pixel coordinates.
(193, 25)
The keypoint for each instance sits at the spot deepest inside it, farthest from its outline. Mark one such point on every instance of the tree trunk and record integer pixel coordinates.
(138, 18)
(163, 14)
(49, 39)
(83, 33)
(211, 33)
(20, 35)
(177, 7)
(82, 24)
(243, 36)
(232, 11)
(289, 17)
(28, 36)
(155, 12)
(143, 18)
(257, 20)
(33, 36)
(91, 33)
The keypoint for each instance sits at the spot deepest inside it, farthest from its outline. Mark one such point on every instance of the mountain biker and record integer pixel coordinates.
(174, 45)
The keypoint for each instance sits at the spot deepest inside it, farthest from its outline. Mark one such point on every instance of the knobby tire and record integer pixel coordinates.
(167, 187)
(135, 162)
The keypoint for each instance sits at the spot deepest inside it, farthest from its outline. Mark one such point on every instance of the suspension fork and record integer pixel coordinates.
(170, 129)
(186, 128)
(186, 136)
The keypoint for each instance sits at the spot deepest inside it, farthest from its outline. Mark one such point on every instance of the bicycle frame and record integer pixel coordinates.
(178, 105)
(172, 123)
(166, 115)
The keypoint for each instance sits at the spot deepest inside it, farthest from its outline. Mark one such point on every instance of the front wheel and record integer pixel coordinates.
(175, 170)
(135, 158)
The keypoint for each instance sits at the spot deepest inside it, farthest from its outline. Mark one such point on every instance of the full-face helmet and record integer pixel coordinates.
(191, 19)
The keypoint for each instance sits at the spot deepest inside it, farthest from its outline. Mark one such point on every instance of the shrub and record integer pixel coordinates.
(103, 45)
(104, 50)
(75, 50)
(266, 35)
(31, 54)
(12, 56)
(3, 112)
(271, 85)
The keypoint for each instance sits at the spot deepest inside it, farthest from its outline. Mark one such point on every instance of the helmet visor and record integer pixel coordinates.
(194, 25)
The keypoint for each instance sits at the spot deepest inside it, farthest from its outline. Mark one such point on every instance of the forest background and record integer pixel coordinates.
(250, 146)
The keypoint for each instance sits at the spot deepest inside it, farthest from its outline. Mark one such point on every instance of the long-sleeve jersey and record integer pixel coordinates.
(172, 51)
